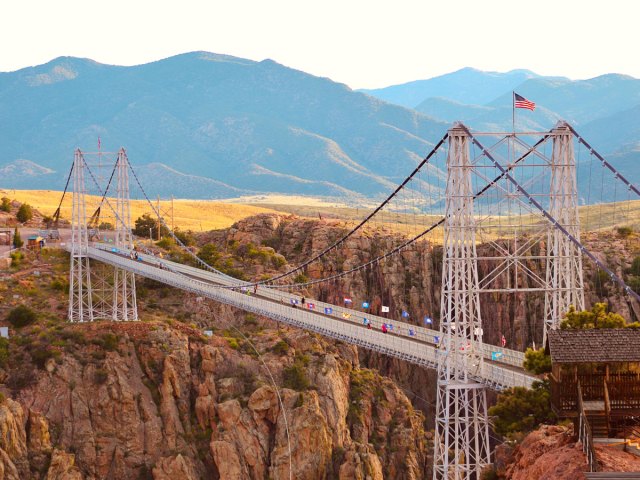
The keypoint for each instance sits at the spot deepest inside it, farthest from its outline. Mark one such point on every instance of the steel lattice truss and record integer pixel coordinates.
(96, 290)
(462, 427)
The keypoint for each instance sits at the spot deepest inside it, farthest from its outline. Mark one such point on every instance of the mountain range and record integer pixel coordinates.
(204, 125)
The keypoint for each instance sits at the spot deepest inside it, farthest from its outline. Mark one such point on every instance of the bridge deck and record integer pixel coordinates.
(418, 349)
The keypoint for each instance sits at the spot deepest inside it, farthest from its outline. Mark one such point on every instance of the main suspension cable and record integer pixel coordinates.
(415, 238)
(56, 214)
(551, 219)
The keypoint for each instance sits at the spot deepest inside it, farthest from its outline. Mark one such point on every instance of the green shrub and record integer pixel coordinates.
(635, 267)
(5, 206)
(59, 285)
(597, 317)
(209, 254)
(17, 239)
(624, 231)
(110, 341)
(295, 377)
(4, 352)
(166, 243)
(16, 258)
(25, 213)
(21, 316)
(41, 353)
(280, 348)
(300, 278)
(536, 361)
(278, 261)
(186, 238)
(146, 224)
(634, 283)
(105, 226)
(521, 409)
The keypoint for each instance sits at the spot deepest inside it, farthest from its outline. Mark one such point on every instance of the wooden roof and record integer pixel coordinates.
(600, 345)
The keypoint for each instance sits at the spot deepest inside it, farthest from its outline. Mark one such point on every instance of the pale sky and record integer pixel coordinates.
(365, 44)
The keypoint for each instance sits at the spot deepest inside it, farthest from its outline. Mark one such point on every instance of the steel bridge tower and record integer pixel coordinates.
(80, 293)
(125, 306)
(100, 292)
(564, 280)
(462, 427)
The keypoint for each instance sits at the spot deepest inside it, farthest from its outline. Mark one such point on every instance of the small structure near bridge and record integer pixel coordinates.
(599, 368)
(595, 381)
(35, 242)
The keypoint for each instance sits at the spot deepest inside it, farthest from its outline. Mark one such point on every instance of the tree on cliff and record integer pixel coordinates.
(146, 224)
(5, 206)
(536, 361)
(25, 213)
(17, 240)
(521, 409)
(21, 316)
(597, 317)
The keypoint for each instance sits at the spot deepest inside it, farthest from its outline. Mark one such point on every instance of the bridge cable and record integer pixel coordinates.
(173, 235)
(280, 401)
(56, 214)
(366, 219)
(93, 220)
(551, 219)
(417, 237)
(617, 174)
(324, 252)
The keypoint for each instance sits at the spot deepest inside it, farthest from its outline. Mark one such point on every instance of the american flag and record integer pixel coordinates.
(520, 102)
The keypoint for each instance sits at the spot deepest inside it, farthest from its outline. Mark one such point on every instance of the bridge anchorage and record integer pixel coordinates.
(486, 191)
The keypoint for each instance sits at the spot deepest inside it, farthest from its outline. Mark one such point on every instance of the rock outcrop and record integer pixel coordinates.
(151, 400)
(551, 451)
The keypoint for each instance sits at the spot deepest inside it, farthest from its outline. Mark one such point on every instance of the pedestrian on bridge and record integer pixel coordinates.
(384, 328)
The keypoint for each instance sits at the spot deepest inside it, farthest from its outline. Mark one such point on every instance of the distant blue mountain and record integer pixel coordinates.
(467, 86)
(204, 125)
(253, 126)
(605, 108)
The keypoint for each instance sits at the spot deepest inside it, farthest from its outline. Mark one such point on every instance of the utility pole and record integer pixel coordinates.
(158, 210)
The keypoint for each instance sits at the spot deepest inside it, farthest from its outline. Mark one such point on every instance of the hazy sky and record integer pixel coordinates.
(361, 43)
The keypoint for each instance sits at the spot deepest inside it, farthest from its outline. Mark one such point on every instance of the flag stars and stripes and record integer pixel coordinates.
(520, 102)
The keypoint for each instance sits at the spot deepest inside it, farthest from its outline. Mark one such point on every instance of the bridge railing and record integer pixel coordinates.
(422, 334)
(406, 349)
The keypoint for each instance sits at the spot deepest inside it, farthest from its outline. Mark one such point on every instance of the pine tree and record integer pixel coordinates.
(17, 240)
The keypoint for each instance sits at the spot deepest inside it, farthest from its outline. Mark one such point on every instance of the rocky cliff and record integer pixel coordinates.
(552, 452)
(158, 400)
(411, 281)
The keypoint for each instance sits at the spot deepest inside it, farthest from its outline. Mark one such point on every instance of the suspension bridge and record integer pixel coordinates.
(512, 196)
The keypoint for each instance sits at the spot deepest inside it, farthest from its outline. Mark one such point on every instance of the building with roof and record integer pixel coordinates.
(596, 372)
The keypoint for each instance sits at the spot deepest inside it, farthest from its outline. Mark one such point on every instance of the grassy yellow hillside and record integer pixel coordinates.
(196, 215)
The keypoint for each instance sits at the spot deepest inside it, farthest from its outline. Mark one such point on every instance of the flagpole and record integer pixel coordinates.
(513, 110)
